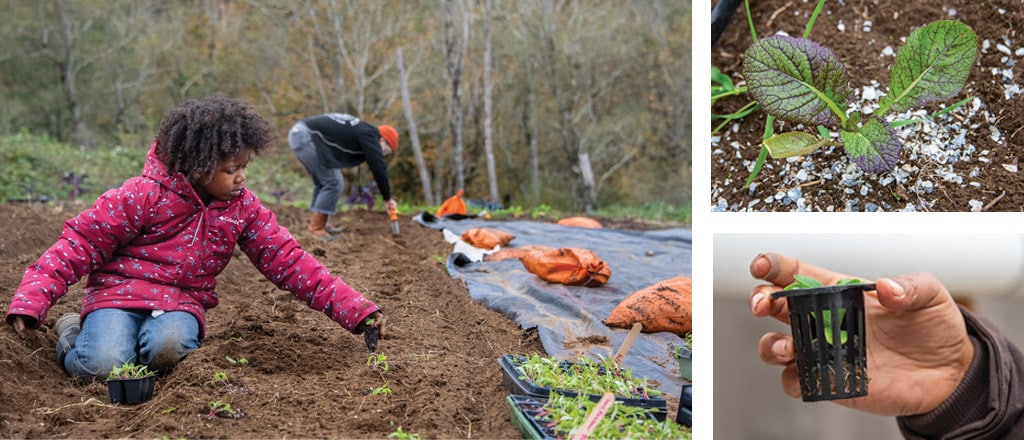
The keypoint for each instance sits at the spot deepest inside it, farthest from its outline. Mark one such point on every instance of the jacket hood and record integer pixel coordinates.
(155, 169)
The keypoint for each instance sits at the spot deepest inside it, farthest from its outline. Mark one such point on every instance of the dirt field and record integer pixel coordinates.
(966, 160)
(305, 377)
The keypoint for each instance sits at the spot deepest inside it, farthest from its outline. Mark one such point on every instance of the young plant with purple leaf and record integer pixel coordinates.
(802, 82)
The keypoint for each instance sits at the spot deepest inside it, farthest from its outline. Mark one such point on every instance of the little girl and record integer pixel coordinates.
(153, 247)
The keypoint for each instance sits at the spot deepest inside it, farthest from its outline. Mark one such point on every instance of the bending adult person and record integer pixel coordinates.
(327, 143)
(941, 370)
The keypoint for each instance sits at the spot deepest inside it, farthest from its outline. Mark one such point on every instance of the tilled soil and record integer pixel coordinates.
(964, 160)
(305, 376)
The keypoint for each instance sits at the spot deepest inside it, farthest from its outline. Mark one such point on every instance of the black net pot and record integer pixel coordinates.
(831, 358)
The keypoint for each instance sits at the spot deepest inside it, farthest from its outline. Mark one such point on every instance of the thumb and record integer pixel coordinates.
(911, 292)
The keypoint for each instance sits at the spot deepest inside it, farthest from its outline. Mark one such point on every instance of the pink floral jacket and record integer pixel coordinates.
(151, 244)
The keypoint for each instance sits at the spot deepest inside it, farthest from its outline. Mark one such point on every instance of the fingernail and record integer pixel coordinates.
(898, 292)
(755, 300)
(779, 347)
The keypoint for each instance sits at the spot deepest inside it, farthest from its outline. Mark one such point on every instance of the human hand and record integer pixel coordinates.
(391, 205)
(20, 327)
(373, 329)
(917, 345)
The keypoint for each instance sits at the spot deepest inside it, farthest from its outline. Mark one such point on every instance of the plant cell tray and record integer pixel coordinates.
(528, 417)
(523, 386)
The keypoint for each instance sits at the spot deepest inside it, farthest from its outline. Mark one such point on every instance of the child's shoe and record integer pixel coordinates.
(67, 328)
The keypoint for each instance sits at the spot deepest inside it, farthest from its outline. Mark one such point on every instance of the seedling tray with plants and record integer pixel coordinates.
(539, 376)
(130, 383)
(555, 417)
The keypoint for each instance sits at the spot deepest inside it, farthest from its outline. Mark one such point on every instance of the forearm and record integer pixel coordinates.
(988, 403)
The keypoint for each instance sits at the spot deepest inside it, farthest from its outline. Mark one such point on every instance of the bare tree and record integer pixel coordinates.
(414, 136)
(455, 55)
(492, 175)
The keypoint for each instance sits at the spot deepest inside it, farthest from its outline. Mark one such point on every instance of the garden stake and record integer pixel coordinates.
(633, 333)
(583, 432)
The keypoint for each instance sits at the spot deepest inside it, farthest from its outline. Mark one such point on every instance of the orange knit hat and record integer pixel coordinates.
(390, 136)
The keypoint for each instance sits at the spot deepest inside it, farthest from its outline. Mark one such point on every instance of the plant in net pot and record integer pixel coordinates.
(827, 323)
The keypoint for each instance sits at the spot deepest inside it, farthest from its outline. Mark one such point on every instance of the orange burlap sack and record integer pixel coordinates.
(663, 307)
(454, 205)
(516, 252)
(570, 266)
(580, 222)
(485, 238)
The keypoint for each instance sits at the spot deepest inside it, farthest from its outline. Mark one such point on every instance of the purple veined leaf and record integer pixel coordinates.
(874, 148)
(932, 65)
(797, 80)
(792, 143)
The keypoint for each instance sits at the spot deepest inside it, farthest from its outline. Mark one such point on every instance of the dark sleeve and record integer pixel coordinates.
(370, 141)
(988, 403)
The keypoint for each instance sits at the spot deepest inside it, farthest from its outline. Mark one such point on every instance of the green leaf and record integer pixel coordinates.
(826, 322)
(874, 147)
(791, 143)
(932, 65)
(803, 282)
(797, 80)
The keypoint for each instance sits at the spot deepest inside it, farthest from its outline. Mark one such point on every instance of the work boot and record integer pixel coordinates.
(318, 227)
(331, 229)
(67, 329)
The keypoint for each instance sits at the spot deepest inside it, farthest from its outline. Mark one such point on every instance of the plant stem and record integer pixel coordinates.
(814, 16)
(750, 21)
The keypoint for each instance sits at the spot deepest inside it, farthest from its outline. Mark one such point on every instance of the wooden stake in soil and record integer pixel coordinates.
(630, 338)
(583, 432)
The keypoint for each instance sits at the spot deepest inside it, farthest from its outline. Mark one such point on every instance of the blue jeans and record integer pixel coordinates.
(112, 337)
(327, 182)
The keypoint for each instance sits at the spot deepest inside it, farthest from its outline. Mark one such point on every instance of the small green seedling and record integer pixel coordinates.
(129, 370)
(384, 390)
(378, 361)
(220, 408)
(219, 377)
(233, 361)
(802, 82)
(401, 435)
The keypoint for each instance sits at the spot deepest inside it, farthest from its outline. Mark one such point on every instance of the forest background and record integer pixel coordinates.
(571, 104)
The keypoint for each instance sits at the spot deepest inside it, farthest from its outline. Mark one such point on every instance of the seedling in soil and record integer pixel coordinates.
(384, 390)
(218, 378)
(223, 410)
(802, 82)
(233, 361)
(378, 361)
(401, 435)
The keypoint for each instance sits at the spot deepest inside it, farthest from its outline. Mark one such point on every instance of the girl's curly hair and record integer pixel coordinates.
(196, 135)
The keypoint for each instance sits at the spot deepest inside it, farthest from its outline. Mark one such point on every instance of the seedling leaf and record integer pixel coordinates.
(791, 143)
(797, 80)
(826, 322)
(803, 282)
(932, 65)
(875, 148)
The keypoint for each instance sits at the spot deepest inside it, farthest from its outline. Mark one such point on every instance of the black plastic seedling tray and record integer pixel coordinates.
(523, 386)
(527, 416)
